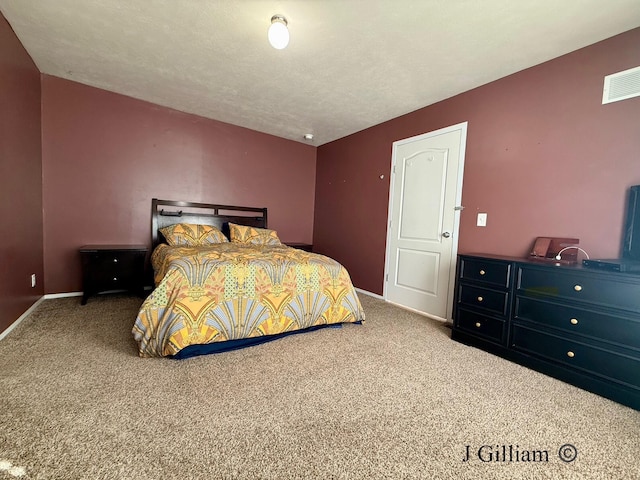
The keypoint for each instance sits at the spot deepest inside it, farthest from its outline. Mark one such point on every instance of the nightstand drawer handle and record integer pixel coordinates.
(577, 288)
(570, 354)
(480, 299)
(478, 324)
(115, 279)
(482, 272)
(574, 321)
(115, 260)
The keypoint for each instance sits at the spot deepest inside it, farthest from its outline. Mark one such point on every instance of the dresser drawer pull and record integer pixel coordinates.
(577, 288)
(570, 354)
(480, 299)
(478, 324)
(115, 279)
(574, 321)
(482, 272)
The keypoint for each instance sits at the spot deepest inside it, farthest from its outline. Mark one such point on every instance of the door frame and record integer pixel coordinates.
(456, 216)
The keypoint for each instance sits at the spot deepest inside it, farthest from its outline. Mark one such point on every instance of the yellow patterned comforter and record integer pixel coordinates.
(232, 291)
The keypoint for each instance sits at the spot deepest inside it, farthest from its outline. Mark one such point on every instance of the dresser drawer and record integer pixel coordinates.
(485, 271)
(580, 321)
(578, 355)
(605, 290)
(476, 324)
(493, 301)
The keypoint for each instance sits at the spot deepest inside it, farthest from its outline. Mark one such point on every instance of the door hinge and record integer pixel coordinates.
(460, 207)
(386, 277)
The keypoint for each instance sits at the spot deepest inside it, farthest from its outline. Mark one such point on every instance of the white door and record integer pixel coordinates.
(424, 214)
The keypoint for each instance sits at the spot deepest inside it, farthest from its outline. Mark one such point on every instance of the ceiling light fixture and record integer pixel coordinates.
(278, 32)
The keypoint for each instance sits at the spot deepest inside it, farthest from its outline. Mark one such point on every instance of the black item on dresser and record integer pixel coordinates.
(630, 261)
(577, 324)
(631, 244)
(112, 268)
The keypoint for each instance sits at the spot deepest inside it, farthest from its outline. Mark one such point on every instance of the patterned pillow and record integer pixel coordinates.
(191, 235)
(253, 235)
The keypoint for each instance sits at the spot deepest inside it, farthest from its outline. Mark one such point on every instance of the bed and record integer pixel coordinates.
(223, 281)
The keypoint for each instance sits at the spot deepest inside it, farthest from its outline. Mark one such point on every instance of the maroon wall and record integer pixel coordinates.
(105, 156)
(20, 179)
(544, 158)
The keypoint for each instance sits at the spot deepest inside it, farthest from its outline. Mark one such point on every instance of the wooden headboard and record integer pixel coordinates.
(170, 212)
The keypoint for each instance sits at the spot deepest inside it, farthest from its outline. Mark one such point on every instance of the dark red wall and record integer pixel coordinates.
(544, 158)
(20, 179)
(105, 156)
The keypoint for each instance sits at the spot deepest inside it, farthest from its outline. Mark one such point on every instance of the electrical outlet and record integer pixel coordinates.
(33, 280)
(482, 220)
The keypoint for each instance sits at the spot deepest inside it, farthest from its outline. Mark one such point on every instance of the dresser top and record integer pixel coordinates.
(550, 263)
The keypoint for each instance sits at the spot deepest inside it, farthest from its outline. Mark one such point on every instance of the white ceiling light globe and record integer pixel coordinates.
(278, 32)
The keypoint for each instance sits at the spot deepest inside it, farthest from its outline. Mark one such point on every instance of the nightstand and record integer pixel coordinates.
(112, 268)
(302, 246)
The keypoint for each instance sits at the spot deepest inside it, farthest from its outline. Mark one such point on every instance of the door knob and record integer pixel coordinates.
(446, 234)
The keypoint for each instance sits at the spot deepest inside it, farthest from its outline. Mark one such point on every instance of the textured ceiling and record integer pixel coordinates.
(350, 64)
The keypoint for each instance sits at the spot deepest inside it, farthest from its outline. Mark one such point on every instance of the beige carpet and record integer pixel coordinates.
(394, 398)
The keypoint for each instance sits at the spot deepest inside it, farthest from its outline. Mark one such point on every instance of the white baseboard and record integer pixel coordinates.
(375, 295)
(424, 314)
(21, 317)
(371, 294)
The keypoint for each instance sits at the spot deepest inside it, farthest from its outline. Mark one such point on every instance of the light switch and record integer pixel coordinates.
(482, 220)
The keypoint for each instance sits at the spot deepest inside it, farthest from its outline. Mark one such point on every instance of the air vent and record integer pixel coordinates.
(621, 85)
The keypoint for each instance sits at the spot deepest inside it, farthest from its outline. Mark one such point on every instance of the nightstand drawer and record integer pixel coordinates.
(110, 265)
(476, 324)
(492, 301)
(114, 260)
(485, 271)
(579, 321)
(106, 280)
(611, 291)
(579, 355)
